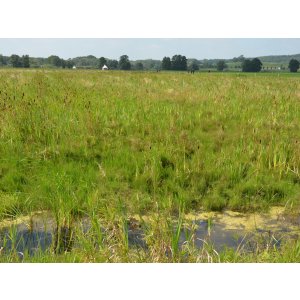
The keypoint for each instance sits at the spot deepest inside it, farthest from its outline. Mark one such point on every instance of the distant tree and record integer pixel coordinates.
(55, 61)
(15, 61)
(124, 63)
(256, 65)
(89, 62)
(69, 64)
(294, 65)
(193, 64)
(102, 62)
(112, 64)
(63, 63)
(253, 65)
(151, 64)
(25, 61)
(166, 63)
(2, 60)
(246, 65)
(207, 64)
(139, 66)
(241, 58)
(179, 63)
(221, 65)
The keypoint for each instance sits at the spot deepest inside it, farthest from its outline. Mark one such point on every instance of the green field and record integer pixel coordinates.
(113, 145)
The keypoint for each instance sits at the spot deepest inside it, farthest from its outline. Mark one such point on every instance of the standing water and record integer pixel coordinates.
(40, 232)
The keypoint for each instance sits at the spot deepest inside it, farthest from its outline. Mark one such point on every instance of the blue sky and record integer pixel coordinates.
(143, 48)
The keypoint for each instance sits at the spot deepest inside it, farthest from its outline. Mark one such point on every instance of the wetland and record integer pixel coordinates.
(149, 167)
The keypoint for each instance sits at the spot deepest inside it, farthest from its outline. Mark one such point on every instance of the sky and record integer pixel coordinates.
(145, 48)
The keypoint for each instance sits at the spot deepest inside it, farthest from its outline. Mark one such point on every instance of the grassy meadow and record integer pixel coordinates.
(113, 145)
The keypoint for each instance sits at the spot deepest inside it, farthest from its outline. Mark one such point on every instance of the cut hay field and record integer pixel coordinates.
(114, 145)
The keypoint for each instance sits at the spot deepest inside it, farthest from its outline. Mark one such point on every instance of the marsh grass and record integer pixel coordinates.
(116, 144)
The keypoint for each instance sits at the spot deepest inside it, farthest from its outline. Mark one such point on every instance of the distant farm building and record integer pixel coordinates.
(104, 68)
(74, 67)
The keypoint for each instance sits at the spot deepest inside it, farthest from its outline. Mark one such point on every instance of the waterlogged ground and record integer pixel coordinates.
(132, 154)
(28, 236)
(238, 230)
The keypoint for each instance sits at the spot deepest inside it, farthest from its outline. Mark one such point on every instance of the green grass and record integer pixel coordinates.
(87, 142)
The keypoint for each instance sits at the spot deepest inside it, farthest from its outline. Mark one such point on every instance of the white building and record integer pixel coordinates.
(104, 68)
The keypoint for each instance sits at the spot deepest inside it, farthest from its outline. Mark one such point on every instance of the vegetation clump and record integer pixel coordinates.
(254, 65)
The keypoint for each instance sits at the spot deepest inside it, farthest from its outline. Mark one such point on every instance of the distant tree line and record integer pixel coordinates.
(16, 61)
(58, 62)
(175, 63)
